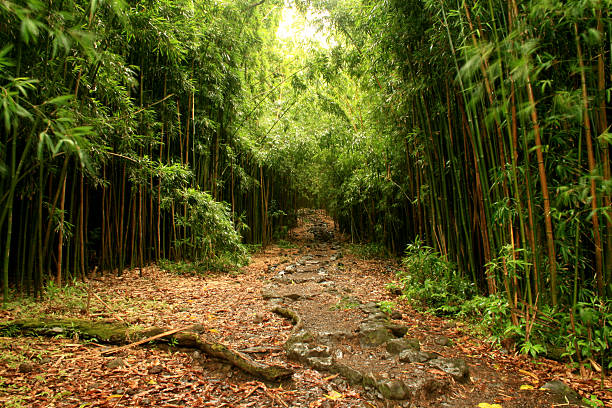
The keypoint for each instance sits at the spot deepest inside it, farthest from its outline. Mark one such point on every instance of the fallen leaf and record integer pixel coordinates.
(527, 387)
(528, 373)
(334, 395)
(436, 371)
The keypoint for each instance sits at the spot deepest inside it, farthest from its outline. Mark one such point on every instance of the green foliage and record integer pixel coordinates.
(213, 237)
(431, 281)
(253, 248)
(285, 244)
(532, 349)
(346, 303)
(593, 402)
(386, 306)
(590, 333)
(219, 264)
(370, 250)
(144, 120)
(490, 314)
(148, 130)
(182, 267)
(393, 287)
(70, 298)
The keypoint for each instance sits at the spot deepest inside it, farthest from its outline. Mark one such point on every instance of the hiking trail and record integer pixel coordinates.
(312, 306)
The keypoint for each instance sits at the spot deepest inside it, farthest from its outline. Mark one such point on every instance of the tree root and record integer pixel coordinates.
(290, 315)
(109, 332)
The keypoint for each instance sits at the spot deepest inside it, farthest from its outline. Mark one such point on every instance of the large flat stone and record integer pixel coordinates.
(396, 346)
(456, 367)
(373, 334)
(415, 356)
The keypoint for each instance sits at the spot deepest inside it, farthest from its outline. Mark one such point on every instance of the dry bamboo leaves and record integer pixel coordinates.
(66, 373)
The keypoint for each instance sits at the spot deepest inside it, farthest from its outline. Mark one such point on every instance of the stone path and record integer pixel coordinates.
(336, 331)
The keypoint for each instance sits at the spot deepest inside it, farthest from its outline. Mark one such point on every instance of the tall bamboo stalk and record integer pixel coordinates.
(592, 168)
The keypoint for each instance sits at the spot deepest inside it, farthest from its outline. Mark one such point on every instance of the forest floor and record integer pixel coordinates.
(336, 293)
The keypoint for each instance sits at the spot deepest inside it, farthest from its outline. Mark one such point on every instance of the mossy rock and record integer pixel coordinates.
(393, 389)
(396, 346)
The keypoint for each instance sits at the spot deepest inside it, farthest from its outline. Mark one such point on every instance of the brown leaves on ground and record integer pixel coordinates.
(66, 373)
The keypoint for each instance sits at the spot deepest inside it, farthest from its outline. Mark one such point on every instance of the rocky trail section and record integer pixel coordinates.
(336, 331)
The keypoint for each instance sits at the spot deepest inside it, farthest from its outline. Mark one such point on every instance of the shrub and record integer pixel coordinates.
(212, 237)
(371, 250)
(432, 281)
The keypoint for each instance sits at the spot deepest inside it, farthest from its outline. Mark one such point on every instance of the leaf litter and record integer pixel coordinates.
(62, 372)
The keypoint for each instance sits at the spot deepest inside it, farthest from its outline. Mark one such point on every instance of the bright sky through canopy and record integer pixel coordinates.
(294, 26)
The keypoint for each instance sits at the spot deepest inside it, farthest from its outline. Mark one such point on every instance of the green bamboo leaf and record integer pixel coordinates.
(29, 29)
(5, 61)
(60, 100)
(6, 115)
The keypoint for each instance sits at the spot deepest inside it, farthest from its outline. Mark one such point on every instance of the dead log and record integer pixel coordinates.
(113, 333)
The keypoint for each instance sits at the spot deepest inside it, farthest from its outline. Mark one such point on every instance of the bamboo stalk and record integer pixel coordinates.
(592, 168)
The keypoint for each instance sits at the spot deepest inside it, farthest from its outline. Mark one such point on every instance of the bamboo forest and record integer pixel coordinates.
(305, 203)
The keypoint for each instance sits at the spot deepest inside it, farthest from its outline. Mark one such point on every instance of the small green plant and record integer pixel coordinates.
(92, 340)
(386, 306)
(12, 359)
(393, 287)
(532, 349)
(62, 394)
(490, 314)
(285, 244)
(593, 402)
(51, 290)
(71, 297)
(252, 248)
(213, 265)
(371, 250)
(16, 402)
(345, 303)
(281, 232)
(590, 333)
(214, 242)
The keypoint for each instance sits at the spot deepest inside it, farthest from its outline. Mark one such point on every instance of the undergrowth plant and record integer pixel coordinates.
(432, 281)
(213, 242)
(371, 250)
(589, 333)
(386, 306)
(580, 335)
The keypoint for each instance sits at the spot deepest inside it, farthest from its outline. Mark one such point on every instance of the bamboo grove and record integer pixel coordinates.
(126, 136)
(136, 131)
(480, 127)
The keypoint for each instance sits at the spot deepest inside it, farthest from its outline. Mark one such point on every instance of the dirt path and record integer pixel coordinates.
(346, 352)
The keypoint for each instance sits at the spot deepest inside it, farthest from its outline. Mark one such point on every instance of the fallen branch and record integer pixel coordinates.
(120, 334)
(143, 341)
(290, 315)
(275, 397)
(106, 305)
